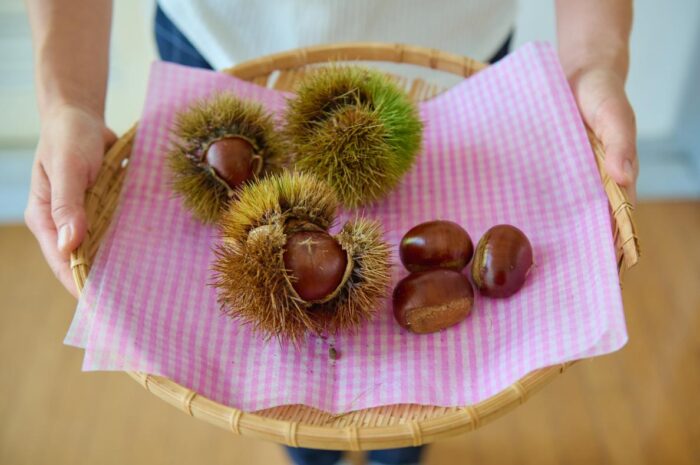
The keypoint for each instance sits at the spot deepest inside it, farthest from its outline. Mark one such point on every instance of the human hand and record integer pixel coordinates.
(601, 97)
(71, 146)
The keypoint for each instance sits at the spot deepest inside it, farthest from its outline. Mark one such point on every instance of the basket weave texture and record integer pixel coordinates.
(297, 425)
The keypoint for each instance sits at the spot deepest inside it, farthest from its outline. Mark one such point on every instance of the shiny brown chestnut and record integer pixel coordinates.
(436, 244)
(316, 264)
(502, 261)
(428, 301)
(233, 160)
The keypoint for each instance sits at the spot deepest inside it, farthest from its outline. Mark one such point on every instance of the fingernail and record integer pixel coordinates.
(64, 235)
(629, 171)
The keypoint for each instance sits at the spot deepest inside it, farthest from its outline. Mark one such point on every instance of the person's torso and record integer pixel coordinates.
(227, 32)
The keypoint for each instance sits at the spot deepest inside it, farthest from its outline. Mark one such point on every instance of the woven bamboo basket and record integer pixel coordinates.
(296, 425)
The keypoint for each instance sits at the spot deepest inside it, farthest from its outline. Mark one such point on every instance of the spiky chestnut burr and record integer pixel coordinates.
(220, 144)
(278, 269)
(355, 129)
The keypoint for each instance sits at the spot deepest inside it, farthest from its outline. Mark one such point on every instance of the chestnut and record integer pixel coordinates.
(233, 160)
(428, 301)
(502, 261)
(316, 264)
(436, 244)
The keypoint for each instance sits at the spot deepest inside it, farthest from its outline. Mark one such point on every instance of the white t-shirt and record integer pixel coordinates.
(227, 32)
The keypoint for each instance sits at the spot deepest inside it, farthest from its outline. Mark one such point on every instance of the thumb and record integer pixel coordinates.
(616, 128)
(68, 185)
(109, 137)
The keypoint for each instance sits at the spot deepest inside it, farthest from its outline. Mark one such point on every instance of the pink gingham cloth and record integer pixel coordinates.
(505, 146)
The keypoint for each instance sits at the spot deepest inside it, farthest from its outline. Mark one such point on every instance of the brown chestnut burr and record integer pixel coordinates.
(428, 301)
(316, 264)
(233, 160)
(436, 244)
(502, 261)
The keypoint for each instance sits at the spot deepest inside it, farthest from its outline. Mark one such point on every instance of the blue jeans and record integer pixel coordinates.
(173, 46)
(401, 456)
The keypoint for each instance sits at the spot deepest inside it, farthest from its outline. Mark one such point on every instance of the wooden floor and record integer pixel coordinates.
(638, 406)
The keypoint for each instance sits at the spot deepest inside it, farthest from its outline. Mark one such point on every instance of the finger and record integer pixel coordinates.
(616, 128)
(632, 188)
(68, 185)
(109, 137)
(40, 223)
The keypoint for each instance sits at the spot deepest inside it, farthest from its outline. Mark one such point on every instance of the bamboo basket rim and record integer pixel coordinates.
(350, 431)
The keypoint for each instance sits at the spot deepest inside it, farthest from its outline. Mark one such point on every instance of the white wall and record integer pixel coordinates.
(133, 50)
(131, 53)
(663, 41)
(666, 34)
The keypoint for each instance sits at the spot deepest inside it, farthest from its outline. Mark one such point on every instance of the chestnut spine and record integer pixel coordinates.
(204, 123)
(250, 273)
(355, 129)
